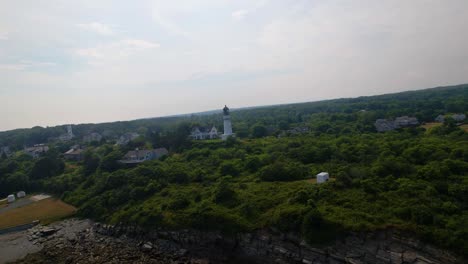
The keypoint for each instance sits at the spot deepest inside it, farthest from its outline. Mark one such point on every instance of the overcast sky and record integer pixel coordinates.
(86, 61)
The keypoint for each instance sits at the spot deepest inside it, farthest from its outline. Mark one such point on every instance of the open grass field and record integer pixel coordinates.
(3, 203)
(47, 211)
(464, 127)
(428, 126)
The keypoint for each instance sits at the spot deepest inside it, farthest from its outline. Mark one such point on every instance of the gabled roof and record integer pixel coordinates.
(74, 151)
(203, 129)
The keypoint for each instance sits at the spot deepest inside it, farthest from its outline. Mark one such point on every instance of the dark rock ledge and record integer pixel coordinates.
(82, 241)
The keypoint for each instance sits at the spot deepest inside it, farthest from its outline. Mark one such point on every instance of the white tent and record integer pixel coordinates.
(11, 198)
(21, 194)
(322, 177)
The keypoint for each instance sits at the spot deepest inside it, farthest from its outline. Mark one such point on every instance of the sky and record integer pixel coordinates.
(90, 61)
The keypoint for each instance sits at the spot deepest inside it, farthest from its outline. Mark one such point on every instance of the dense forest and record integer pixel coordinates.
(413, 178)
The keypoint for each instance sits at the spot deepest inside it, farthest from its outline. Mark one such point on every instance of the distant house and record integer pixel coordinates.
(440, 119)
(138, 156)
(323, 177)
(406, 121)
(92, 137)
(298, 130)
(37, 150)
(383, 125)
(75, 153)
(458, 117)
(126, 138)
(201, 133)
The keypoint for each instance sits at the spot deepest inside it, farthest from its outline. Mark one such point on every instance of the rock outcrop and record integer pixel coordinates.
(266, 246)
(82, 241)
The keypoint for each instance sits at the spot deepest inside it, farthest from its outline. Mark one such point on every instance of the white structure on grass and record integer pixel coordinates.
(227, 124)
(323, 177)
(21, 194)
(11, 198)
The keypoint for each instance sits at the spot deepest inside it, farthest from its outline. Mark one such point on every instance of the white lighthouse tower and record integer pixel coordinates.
(227, 124)
(70, 132)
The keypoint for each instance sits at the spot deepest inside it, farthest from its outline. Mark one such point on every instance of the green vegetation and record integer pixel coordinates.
(411, 178)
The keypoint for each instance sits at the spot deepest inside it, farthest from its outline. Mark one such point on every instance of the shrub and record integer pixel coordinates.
(283, 171)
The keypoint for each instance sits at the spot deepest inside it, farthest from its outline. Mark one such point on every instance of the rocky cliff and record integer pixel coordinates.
(266, 246)
(83, 241)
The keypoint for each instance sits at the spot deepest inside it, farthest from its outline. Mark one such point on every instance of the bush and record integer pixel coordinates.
(283, 171)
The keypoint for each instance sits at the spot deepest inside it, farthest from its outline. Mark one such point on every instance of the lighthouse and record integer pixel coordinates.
(70, 132)
(227, 124)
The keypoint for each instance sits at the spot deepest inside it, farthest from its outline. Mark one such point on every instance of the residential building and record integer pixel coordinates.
(298, 130)
(405, 121)
(383, 125)
(201, 133)
(458, 117)
(36, 150)
(137, 156)
(75, 153)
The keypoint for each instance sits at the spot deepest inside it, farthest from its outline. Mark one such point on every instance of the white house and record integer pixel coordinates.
(11, 198)
(458, 117)
(21, 194)
(383, 125)
(200, 133)
(405, 121)
(323, 177)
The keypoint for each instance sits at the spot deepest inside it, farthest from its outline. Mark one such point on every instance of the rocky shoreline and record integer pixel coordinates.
(83, 241)
(76, 241)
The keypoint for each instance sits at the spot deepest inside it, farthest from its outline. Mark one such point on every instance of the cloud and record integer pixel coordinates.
(239, 14)
(13, 67)
(25, 64)
(97, 27)
(117, 49)
(3, 35)
(167, 24)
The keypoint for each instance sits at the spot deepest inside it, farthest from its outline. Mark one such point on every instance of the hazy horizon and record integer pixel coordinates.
(232, 108)
(105, 61)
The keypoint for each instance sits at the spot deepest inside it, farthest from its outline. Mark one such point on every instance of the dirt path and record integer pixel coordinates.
(16, 246)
